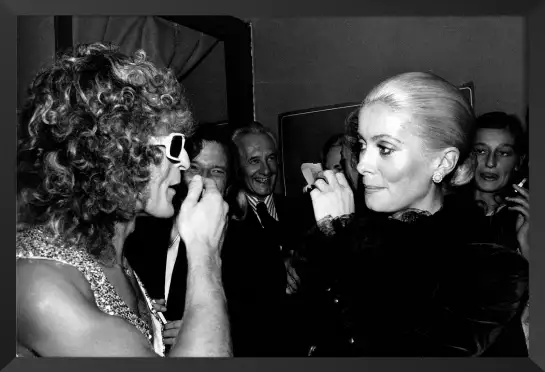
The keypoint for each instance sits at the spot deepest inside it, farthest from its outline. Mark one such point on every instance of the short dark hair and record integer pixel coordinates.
(210, 133)
(504, 121)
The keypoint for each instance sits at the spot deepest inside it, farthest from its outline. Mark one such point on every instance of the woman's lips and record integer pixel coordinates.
(487, 176)
(370, 189)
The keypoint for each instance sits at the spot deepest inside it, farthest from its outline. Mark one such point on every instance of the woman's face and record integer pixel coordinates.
(157, 199)
(496, 159)
(333, 159)
(397, 173)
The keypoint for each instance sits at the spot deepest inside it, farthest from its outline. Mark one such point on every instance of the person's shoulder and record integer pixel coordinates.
(43, 278)
(496, 255)
(490, 265)
(54, 310)
(46, 292)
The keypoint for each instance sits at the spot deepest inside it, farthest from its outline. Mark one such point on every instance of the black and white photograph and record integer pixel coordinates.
(268, 187)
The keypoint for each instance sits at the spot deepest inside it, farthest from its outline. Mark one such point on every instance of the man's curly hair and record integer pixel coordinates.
(84, 157)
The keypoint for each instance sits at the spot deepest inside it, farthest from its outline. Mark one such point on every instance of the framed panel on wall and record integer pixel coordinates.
(468, 90)
(302, 134)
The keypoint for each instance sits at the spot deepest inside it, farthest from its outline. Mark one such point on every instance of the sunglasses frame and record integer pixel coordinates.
(166, 141)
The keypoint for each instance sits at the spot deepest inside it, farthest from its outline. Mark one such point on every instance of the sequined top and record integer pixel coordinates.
(37, 243)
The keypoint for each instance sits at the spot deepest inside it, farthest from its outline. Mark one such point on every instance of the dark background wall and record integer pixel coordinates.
(205, 86)
(35, 47)
(300, 63)
(303, 63)
(206, 89)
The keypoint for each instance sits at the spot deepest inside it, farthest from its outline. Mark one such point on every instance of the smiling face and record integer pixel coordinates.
(496, 159)
(259, 164)
(212, 162)
(396, 170)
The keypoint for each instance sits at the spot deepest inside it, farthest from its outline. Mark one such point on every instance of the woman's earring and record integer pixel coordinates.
(437, 177)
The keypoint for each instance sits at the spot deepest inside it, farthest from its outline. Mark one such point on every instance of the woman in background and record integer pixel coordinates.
(332, 153)
(337, 157)
(500, 149)
(408, 280)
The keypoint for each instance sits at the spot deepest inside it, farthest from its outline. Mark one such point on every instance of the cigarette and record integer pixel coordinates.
(150, 301)
(162, 317)
(159, 314)
(521, 183)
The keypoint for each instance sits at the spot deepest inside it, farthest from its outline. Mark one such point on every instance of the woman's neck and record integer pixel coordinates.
(122, 230)
(488, 200)
(432, 205)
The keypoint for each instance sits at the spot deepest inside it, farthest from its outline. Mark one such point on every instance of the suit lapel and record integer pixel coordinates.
(178, 283)
(279, 206)
(252, 220)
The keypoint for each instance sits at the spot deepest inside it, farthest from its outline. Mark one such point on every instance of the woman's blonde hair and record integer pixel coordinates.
(443, 116)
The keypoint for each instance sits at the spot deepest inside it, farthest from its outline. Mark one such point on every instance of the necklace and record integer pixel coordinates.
(125, 267)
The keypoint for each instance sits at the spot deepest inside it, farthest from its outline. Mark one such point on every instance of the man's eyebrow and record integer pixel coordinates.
(219, 166)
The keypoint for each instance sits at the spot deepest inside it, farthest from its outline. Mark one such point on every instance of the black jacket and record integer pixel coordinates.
(253, 275)
(428, 286)
(254, 278)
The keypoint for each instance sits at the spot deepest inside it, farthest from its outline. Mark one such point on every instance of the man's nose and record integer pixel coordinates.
(265, 169)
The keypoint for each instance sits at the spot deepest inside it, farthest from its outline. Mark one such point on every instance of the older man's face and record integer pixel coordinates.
(259, 164)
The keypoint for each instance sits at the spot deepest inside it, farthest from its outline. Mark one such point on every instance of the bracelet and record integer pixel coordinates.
(328, 224)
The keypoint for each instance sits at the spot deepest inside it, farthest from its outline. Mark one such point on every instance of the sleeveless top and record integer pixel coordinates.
(38, 243)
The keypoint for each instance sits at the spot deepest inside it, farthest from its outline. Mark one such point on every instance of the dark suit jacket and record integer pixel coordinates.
(146, 249)
(254, 276)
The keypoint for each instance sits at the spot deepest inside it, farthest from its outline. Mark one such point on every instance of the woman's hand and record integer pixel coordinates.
(170, 332)
(332, 198)
(521, 204)
(159, 305)
(203, 218)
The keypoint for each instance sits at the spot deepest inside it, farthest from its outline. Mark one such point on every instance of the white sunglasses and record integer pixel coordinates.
(174, 144)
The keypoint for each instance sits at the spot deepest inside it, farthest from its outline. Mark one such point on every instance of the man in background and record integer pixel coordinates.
(155, 250)
(257, 249)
